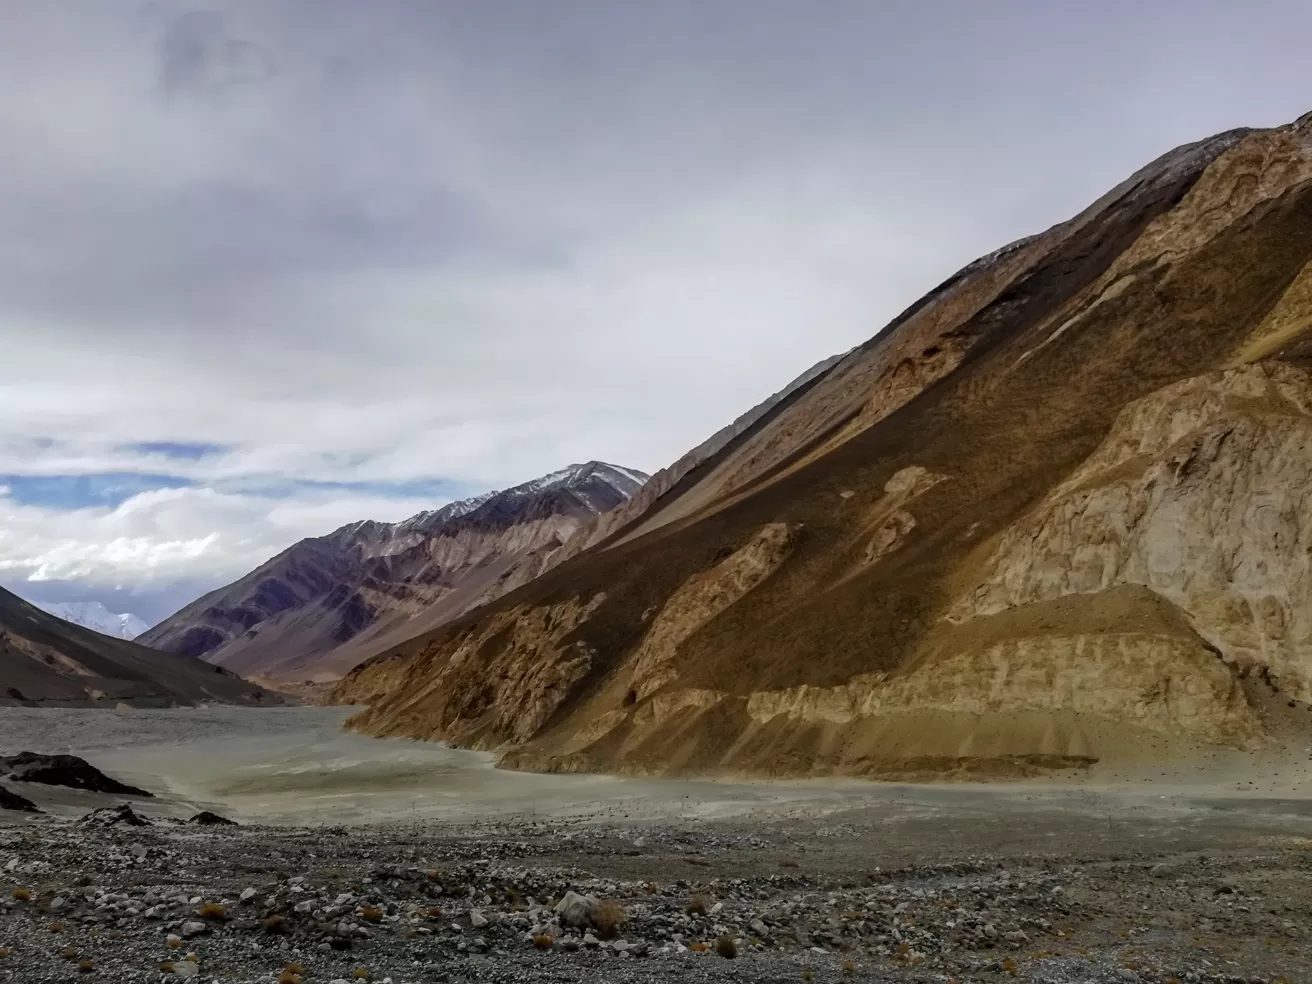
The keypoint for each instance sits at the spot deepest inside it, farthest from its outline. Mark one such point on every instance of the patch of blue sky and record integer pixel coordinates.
(104, 489)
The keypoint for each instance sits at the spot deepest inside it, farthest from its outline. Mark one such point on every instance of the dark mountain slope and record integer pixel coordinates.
(45, 660)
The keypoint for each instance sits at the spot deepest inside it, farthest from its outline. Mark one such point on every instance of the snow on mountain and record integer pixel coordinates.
(95, 616)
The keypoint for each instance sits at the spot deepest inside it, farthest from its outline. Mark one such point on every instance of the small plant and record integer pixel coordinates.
(513, 898)
(607, 918)
(361, 973)
(287, 977)
(4, 952)
(22, 895)
(544, 941)
(651, 888)
(275, 925)
(55, 928)
(433, 913)
(699, 947)
(294, 968)
(213, 912)
(848, 966)
(372, 913)
(1009, 965)
(166, 967)
(726, 947)
(699, 904)
(174, 942)
(807, 975)
(433, 874)
(86, 966)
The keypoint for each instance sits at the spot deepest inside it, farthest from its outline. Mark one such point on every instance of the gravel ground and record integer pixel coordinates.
(1048, 896)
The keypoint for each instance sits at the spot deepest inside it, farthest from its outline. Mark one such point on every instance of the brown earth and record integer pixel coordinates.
(1054, 513)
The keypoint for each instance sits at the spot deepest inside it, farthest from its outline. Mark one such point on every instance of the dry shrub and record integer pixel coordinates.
(166, 967)
(173, 945)
(213, 912)
(287, 977)
(699, 904)
(726, 947)
(433, 913)
(808, 975)
(275, 925)
(294, 968)
(361, 973)
(607, 918)
(544, 941)
(433, 874)
(372, 913)
(651, 888)
(85, 966)
(1009, 965)
(55, 928)
(4, 952)
(699, 947)
(22, 895)
(513, 898)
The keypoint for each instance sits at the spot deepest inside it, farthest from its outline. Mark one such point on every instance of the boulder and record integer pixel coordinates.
(113, 816)
(9, 800)
(207, 819)
(64, 770)
(574, 909)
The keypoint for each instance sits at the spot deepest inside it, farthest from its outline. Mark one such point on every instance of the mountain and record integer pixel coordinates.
(46, 660)
(1059, 510)
(326, 603)
(95, 616)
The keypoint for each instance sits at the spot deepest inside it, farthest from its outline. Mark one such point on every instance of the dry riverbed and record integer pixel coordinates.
(701, 881)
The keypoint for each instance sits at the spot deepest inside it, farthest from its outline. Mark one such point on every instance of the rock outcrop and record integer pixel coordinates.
(63, 770)
(325, 604)
(1055, 512)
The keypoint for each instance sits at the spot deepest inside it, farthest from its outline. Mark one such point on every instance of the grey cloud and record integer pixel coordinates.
(407, 239)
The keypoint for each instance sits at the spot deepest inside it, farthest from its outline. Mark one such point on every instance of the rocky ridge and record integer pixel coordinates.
(1052, 514)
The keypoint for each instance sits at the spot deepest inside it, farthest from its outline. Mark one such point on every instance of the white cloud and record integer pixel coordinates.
(171, 535)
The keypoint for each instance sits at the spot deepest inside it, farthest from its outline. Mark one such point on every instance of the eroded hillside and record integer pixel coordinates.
(1055, 512)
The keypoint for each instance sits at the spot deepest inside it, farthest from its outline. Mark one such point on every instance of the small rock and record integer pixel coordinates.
(247, 894)
(185, 968)
(193, 929)
(477, 919)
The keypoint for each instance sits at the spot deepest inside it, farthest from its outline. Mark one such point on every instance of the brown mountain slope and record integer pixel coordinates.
(326, 603)
(45, 660)
(1057, 509)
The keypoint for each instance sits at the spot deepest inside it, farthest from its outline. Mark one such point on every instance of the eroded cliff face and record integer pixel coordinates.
(1057, 512)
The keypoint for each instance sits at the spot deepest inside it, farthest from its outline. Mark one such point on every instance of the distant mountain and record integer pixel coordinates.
(326, 603)
(46, 660)
(95, 616)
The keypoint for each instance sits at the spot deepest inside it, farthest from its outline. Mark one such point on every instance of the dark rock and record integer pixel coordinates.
(64, 770)
(112, 816)
(9, 800)
(207, 819)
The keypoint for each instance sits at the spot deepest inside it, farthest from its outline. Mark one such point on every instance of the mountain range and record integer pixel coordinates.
(47, 661)
(1056, 511)
(95, 616)
(318, 608)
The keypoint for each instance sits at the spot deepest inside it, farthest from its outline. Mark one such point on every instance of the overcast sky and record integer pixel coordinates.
(268, 267)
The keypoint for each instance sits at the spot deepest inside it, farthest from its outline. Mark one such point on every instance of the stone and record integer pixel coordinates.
(247, 894)
(64, 770)
(185, 968)
(573, 909)
(207, 819)
(191, 929)
(477, 919)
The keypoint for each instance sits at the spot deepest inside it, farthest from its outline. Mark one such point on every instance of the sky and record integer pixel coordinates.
(272, 266)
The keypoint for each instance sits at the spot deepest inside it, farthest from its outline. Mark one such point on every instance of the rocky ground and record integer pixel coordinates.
(849, 896)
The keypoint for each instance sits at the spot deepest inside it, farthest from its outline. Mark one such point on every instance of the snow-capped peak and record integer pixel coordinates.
(95, 616)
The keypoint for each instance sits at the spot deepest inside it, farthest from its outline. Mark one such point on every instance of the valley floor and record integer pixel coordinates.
(438, 868)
